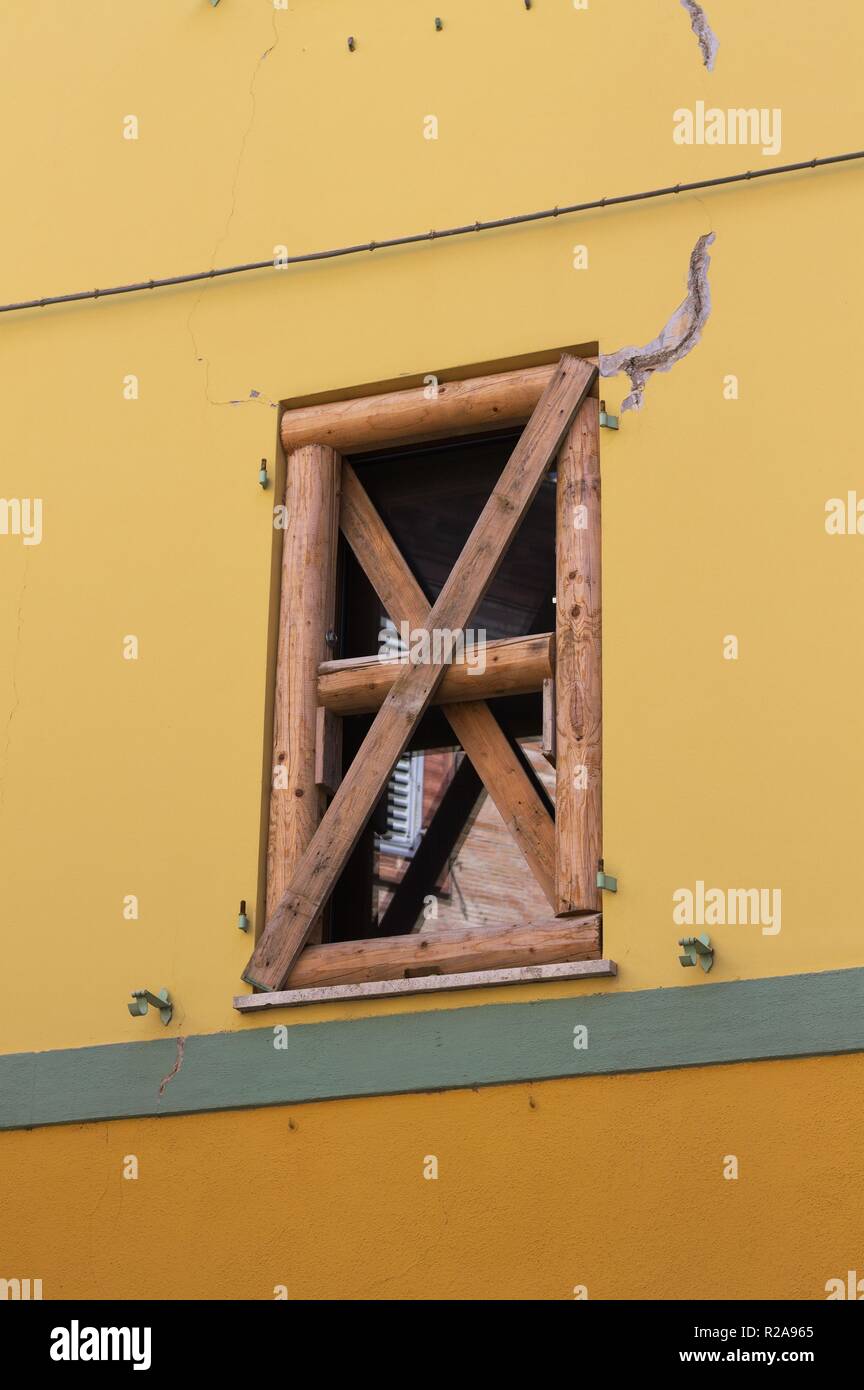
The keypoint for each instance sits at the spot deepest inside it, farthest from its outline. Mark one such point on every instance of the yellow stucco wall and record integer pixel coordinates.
(615, 1184)
(258, 128)
(145, 777)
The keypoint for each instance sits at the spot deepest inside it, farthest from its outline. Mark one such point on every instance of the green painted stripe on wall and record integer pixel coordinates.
(486, 1045)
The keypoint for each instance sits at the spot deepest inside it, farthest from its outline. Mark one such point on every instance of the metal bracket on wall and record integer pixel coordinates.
(607, 422)
(697, 948)
(160, 1001)
(607, 882)
(242, 919)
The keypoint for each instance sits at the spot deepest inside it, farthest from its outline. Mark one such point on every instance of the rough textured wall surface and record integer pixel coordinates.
(143, 779)
(613, 1184)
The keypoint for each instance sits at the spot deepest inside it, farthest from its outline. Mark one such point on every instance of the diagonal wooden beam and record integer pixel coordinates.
(288, 929)
(510, 785)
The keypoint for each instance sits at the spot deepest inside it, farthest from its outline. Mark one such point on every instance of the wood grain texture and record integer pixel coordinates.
(511, 788)
(548, 743)
(328, 750)
(513, 666)
(306, 609)
(516, 798)
(415, 415)
(291, 922)
(579, 708)
(379, 556)
(397, 957)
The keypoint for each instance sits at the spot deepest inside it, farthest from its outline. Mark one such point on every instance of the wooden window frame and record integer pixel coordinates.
(324, 496)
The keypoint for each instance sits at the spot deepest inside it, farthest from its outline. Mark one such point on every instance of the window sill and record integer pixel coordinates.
(425, 984)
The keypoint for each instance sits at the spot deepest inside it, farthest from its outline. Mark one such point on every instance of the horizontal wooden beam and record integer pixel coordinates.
(500, 401)
(434, 953)
(513, 666)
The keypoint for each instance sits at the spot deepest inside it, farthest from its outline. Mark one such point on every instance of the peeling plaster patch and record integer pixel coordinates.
(708, 44)
(178, 1062)
(676, 338)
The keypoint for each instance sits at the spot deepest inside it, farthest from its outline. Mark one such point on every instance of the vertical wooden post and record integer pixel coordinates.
(549, 720)
(306, 614)
(578, 794)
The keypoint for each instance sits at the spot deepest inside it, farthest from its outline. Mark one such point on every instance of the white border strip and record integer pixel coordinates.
(424, 984)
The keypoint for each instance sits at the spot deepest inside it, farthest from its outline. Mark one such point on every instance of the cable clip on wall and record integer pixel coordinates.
(606, 881)
(144, 997)
(697, 948)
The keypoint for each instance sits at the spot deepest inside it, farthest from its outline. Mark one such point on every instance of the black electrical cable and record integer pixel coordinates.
(433, 235)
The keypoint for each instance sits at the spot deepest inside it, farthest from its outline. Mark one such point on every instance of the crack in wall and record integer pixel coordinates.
(707, 39)
(178, 1062)
(676, 339)
(229, 219)
(243, 143)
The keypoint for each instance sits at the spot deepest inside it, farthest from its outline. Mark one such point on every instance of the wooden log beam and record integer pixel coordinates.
(414, 416)
(509, 783)
(306, 612)
(289, 927)
(512, 666)
(401, 957)
(548, 743)
(578, 691)
(328, 750)
(447, 829)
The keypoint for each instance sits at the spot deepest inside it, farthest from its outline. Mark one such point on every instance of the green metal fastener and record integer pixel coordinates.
(243, 920)
(607, 422)
(607, 882)
(697, 948)
(439, 25)
(160, 1001)
(262, 473)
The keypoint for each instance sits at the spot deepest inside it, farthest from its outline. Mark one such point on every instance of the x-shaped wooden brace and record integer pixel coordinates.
(291, 923)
